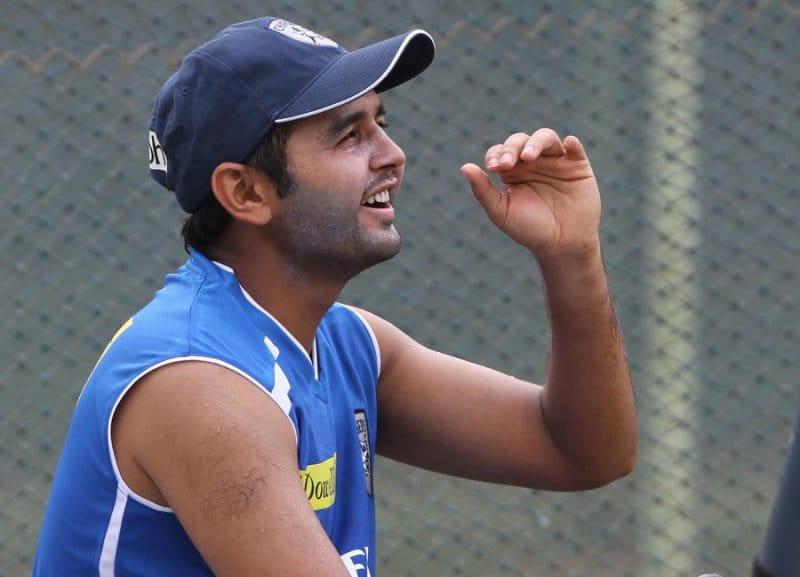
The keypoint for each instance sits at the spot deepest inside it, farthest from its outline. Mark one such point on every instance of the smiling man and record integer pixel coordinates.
(230, 428)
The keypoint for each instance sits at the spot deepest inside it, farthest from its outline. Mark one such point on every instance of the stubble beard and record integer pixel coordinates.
(325, 246)
(330, 240)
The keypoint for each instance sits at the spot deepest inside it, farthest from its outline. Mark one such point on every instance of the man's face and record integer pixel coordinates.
(339, 216)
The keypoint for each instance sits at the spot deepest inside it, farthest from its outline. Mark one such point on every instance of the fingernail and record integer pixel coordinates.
(507, 157)
(492, 162)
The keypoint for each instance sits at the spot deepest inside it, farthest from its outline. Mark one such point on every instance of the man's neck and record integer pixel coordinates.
(298, 299)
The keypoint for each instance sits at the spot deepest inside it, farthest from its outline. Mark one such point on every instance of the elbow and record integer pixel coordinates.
(625, 462)
(602, 470)
(621, 469)
(588, 480)
(627, 467)
(611, 469)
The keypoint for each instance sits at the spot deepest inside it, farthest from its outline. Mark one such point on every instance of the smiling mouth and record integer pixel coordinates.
(377, 200)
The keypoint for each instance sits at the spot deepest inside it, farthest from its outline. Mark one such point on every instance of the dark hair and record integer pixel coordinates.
(203, 228)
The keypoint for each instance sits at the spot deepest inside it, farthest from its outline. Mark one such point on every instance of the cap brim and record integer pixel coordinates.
(378, 67)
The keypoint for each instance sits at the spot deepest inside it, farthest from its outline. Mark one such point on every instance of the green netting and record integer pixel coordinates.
(690, 113)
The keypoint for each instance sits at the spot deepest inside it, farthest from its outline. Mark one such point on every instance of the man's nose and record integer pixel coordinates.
(388, 152)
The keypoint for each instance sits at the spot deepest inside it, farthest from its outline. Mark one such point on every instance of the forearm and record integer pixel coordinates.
(588, 403)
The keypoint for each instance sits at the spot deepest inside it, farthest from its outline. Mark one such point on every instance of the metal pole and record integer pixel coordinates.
(673, 213)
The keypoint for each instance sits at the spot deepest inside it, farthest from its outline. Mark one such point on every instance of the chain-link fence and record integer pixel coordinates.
(690, 112)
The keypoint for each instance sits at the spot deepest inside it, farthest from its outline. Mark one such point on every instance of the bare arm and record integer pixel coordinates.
(588, 406)
(212, 446)
(579, 429)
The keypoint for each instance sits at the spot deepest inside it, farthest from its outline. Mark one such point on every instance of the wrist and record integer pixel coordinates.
(576, 279)
(586, 260)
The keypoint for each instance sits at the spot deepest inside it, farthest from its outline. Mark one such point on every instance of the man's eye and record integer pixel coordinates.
(352, 134)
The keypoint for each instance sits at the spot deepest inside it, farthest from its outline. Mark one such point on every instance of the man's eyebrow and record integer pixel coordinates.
(342, 122)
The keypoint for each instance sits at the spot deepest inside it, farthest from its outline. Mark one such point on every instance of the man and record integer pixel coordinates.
(185, 447)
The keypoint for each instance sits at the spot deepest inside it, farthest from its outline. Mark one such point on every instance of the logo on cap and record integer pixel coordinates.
(158, 158)
(297, 32)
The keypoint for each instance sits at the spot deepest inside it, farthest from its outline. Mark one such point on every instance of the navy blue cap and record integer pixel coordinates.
(229, 92)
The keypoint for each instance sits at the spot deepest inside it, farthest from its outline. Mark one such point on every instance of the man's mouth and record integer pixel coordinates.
(377, 200)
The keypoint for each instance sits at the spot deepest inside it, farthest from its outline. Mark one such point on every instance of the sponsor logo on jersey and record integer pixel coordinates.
(353, 561)
(366, 450)
(319, 483)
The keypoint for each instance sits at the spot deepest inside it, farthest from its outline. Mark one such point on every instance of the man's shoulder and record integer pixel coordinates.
(346, 330)
(345, 318)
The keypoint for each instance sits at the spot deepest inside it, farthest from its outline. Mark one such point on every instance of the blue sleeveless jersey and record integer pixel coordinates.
(95, 525)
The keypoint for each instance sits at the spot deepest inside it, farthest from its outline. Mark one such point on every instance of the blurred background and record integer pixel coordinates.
(690, 114)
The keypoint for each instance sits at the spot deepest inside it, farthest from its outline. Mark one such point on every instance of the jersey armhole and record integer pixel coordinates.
(372, 337)
(110, 446)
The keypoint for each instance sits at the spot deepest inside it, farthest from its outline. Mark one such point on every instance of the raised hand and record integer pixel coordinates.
(548, 199)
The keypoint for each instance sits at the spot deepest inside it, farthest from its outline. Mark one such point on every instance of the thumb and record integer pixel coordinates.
(482, 187)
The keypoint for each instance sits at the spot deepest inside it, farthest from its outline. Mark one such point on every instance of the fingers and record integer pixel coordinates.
(478, 180)
(574, 148)
(524, 147)
(543, 142)
(507, 154)
(482, 187)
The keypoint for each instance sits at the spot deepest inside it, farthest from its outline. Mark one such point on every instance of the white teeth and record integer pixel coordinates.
(378, 197)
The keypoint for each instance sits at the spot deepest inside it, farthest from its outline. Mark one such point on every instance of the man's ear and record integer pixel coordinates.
(246, 193)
